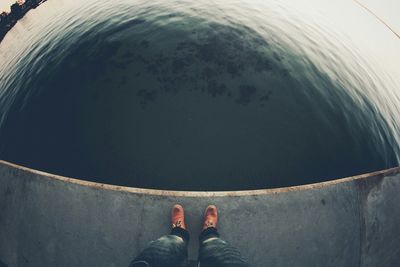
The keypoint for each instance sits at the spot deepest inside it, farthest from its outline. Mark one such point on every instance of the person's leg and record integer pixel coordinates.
(169, 250)
(213, 251)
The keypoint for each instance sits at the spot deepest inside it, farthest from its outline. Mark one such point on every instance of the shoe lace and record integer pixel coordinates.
(177, 224)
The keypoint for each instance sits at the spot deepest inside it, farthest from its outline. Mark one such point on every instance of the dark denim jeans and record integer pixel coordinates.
(171, 251)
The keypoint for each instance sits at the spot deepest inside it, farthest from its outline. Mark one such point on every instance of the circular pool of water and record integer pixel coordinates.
(186, 95)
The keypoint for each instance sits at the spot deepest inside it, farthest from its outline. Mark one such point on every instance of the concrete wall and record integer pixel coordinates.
(48, 220)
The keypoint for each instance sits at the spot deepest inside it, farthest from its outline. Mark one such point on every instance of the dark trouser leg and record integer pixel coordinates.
(215, 252)
(167, 251)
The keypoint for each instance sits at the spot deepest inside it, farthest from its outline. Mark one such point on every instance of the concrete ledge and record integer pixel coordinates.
(49, 220)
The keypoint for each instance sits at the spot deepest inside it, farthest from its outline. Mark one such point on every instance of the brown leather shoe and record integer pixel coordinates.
(178, 217)
(210, 217)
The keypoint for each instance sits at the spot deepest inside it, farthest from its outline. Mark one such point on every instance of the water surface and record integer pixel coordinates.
(201, 95)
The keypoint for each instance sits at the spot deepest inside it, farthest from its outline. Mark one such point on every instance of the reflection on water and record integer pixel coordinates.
(194, 95)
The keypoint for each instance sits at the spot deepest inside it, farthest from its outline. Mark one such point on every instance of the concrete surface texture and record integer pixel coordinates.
(48, 220)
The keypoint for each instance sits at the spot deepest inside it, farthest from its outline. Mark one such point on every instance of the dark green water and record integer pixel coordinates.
(194, 95)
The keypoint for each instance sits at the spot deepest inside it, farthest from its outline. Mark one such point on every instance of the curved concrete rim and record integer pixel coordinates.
(50, 220)
(159, 192)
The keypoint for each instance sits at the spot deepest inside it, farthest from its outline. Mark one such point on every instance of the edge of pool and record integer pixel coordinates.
(160, 192)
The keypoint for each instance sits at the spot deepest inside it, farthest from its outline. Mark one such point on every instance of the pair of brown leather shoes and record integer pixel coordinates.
(178, 217)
